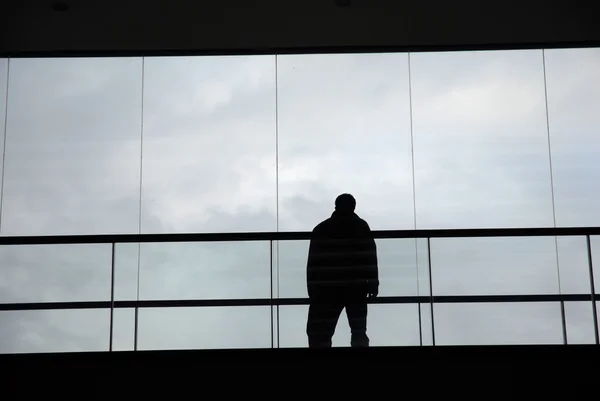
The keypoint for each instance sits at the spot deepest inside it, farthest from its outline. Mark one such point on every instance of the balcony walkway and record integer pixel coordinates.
(456, 365)
(406, 356)
(517, 371)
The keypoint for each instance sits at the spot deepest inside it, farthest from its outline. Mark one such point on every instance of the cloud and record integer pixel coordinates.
(65, 172)
(481, 136)
(353, 135)
(229, 146)
(223, 155)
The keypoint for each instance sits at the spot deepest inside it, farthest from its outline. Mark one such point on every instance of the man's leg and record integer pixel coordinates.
(323, 315)
(356, 310)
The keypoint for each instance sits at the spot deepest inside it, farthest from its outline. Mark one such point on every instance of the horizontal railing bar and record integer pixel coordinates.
(295, 235)
(451, 299)
(32, 306)
(187, 303)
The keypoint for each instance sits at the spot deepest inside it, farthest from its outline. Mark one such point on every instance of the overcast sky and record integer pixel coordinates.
(265, 143)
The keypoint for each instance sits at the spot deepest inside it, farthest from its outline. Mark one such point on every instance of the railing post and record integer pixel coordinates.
(592, 286)
(420, 323)
(135, 327)
(564, 322)
(137, 303)
(112, 295)
(271, 291)
(430, 290)
(276, 261)
(563, 318)
(418, 272)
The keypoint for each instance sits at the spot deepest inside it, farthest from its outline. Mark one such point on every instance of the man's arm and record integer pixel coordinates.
(311, 265)
(373, 265)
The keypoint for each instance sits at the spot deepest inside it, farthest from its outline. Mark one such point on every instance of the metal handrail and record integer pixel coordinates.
(276, 302)
(194, 303)
(294, 235)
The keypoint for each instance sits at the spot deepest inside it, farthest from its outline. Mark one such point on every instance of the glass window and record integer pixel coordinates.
(292, 257)
(397, 267)
(344, 126)
(127, 270)
(573, 265)
(580, 323)
(426, 324)
(486, 266)
(598, 309)
(3, 89)
(573, 84)
(422, 254)
(205, 270)
(72, 146)
(55, 273)
(387, 325)
(595, 251)
(204, 328)
(480, 140)
(497, 324)
(209, 144)
(54, 331)
(123, 329)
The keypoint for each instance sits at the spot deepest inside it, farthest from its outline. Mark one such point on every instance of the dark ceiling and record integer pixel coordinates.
(279, 26)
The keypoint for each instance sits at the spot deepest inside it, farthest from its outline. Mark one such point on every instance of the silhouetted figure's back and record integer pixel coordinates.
(342, 273)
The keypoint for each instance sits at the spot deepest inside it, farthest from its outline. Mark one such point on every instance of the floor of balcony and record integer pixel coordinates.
(517, 371)
(407, 356)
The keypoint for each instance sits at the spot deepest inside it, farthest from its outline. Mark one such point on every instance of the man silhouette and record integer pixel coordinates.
(341, 272)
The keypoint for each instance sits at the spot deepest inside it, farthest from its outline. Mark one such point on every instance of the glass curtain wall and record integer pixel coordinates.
(441, 140)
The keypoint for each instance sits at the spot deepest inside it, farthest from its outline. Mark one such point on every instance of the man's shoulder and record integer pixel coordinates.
(322, 225)
(330, 225)
(363, 223)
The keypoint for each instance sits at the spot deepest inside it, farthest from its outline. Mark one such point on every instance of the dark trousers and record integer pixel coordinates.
(323, 315)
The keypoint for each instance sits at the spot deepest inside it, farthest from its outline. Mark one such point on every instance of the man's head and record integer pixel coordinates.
(345, 203)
